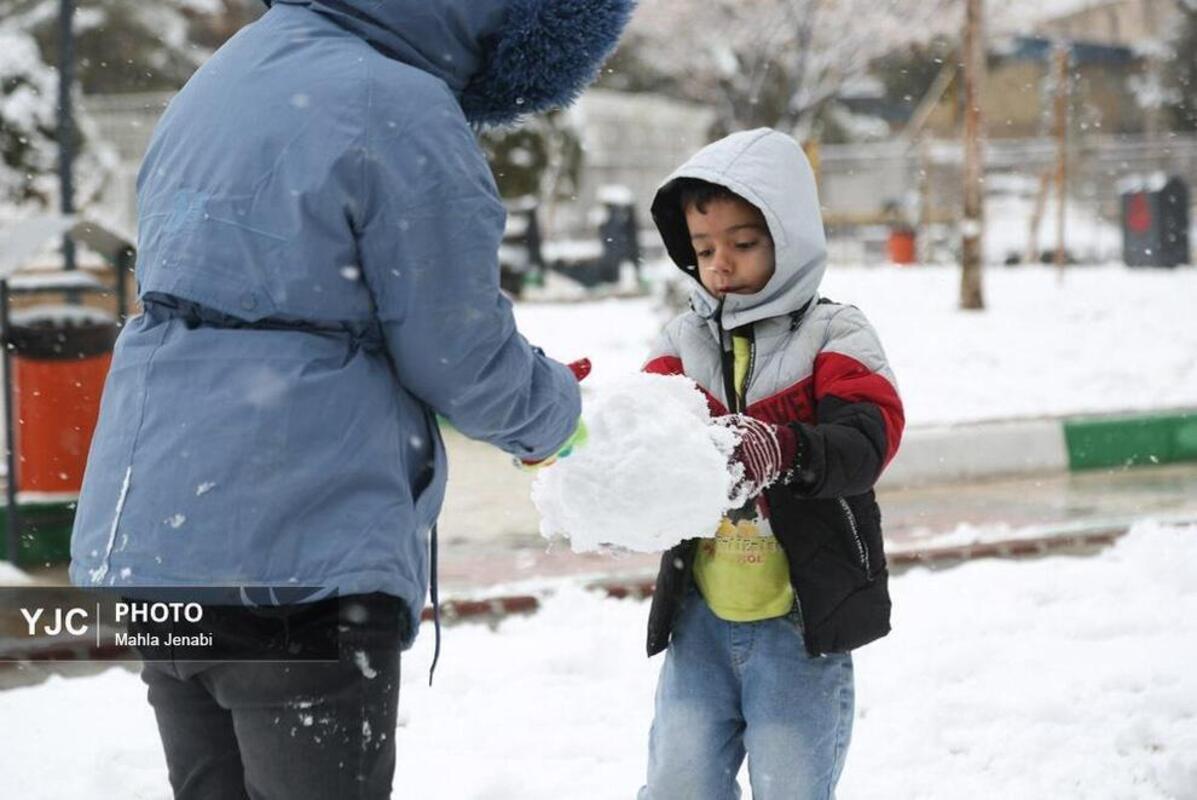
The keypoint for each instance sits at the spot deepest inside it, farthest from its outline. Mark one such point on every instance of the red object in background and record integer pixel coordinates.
(57, 381)
(902, 246)
(1138, 213)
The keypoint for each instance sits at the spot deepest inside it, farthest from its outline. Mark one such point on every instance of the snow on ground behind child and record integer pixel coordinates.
(1065, 677)
(653, 472)
(1058, 677)
(1098, 339)
(614, 334)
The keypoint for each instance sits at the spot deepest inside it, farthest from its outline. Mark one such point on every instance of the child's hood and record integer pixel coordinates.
(769, 170)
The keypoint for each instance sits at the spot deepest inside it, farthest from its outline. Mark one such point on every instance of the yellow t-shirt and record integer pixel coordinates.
(742, 572)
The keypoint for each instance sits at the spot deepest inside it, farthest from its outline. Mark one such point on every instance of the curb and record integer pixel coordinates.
(641, 587)
(1008, 448)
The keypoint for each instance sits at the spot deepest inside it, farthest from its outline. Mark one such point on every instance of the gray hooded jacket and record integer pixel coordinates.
(817, 366)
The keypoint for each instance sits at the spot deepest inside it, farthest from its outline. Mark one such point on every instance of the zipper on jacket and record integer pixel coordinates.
(751, 368)
(861, 549)
(798, 611)
(727, 363)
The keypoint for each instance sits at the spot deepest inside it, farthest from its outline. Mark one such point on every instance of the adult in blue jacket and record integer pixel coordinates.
(318, 237)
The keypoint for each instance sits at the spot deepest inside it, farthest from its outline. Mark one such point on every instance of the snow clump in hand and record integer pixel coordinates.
(654, 471)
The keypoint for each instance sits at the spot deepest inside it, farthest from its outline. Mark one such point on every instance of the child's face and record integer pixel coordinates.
(733, 245)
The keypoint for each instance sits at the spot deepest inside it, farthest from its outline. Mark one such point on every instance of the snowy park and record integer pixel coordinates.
(657, 399)
(1066, 676)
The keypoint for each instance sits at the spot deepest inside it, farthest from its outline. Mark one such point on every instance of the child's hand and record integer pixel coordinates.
(767, 452)
(580, 368)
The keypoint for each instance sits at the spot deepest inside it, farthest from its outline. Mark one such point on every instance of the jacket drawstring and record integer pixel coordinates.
(436, 606)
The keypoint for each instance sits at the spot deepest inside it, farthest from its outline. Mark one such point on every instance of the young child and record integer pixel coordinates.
(759, 618)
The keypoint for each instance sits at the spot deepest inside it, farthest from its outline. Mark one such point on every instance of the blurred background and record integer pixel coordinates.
(1076, 96)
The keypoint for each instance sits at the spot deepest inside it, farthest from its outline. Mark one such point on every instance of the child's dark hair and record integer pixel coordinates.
(696, 193)
(669, 213)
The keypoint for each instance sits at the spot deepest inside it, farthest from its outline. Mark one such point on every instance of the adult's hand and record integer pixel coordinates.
(580, 369)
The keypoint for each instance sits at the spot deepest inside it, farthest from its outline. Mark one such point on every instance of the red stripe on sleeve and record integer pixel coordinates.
(664, 365)
(846, 378)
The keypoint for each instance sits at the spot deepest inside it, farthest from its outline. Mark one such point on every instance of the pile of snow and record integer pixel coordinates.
(653, 473)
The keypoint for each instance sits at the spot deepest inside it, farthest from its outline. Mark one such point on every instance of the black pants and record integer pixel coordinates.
(287, 730)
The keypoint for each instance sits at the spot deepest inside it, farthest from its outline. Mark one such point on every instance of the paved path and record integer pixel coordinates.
(489, 527)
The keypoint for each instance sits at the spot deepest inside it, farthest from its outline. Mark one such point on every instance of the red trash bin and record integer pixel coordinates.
(902, 245)
(59, 365)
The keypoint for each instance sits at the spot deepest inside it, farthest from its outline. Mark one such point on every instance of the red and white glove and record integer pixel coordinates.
(766, 451)
(580, 368)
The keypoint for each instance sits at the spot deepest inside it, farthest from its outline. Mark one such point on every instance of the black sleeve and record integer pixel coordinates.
(843, 454)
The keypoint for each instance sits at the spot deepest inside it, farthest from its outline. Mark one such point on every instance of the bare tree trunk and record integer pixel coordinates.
(1045, 182)
(923, 236)
(972, 225)
(1061, 109)
(550, 177)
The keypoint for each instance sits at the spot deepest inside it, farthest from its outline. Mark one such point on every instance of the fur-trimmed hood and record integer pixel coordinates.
(502, 58)
(768, 169)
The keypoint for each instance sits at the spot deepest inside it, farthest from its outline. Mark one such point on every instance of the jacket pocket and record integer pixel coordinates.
(428, 488)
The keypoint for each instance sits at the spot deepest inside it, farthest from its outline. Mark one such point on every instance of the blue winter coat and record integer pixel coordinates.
(318, 264)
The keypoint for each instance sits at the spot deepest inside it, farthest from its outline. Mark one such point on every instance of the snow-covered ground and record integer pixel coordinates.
(11, 575)
(1100, 339)
(1066, 677)
(1062, 677)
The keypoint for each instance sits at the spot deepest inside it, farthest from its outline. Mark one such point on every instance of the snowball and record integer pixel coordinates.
(653, 473)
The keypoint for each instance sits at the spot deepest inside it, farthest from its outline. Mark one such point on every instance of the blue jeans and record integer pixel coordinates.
(730, 688)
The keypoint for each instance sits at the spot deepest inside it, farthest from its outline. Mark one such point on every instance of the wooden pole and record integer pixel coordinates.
(972, 224)
(66, 126)
(923, 236)
(1045, 183)
(1061, 117)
